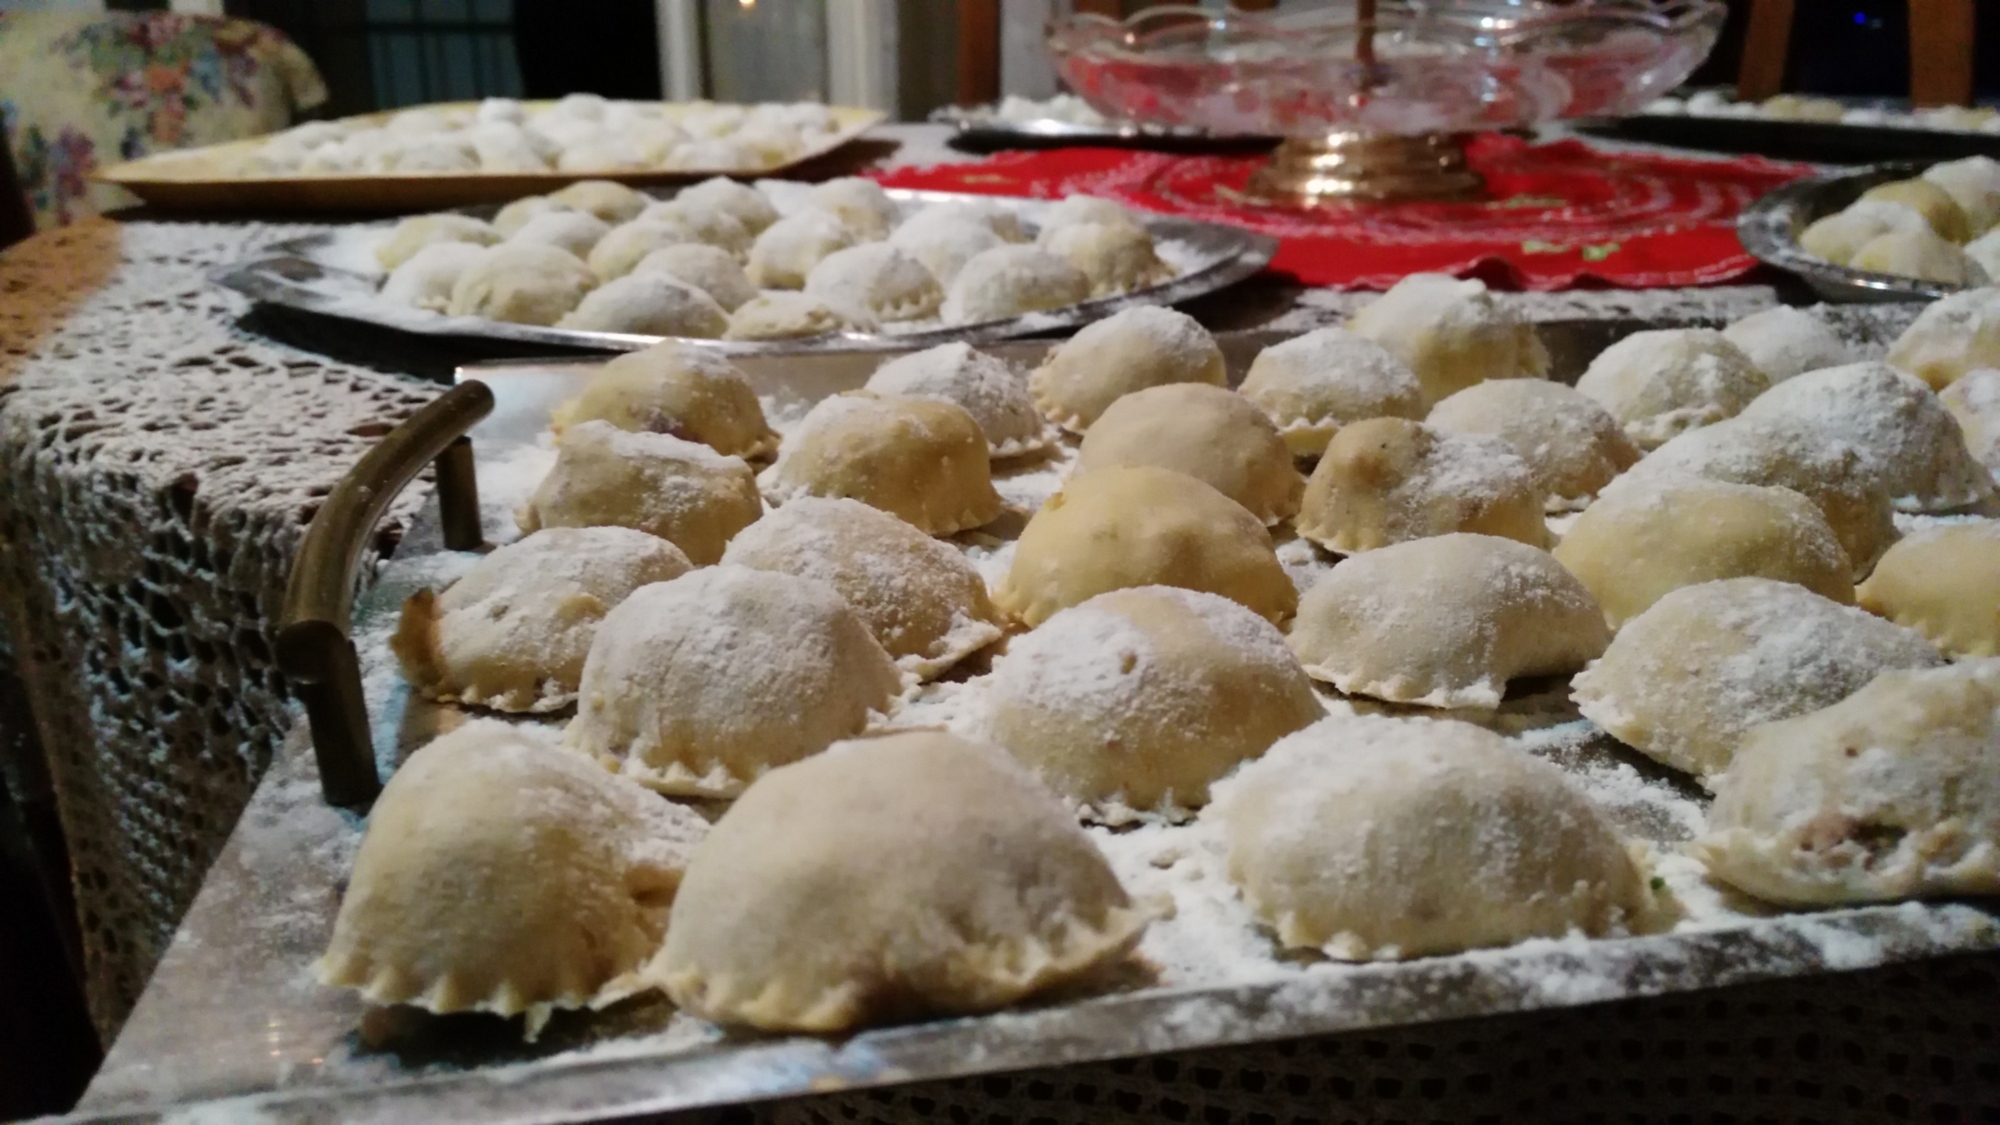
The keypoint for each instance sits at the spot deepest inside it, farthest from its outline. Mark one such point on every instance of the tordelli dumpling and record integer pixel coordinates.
(419, 231)
(500, 874)
(782, 315)
(1388, 480)
(710, 269)
(1372, 838)
(992, 215)
(1076, 209)
(879, 278)
(610, 202)
(426, 278)
(522, 284)
(1778, 453)
(1638, 543)
(1974, 401)
(515, 215)
(1974, 184)
(670, 388)
(924, 601)
(1452, 333)
(512, 633)
(921, 459)
(889, 879)
(704, 225)
(1888, 794)
(1950, 337)
(575, 231)
(1139, 698)
(1944, 582)
(624, 247)
(1572, 446)
(1212, 434)
(1140, 347)
(699, 685)
(741, 202)
(1142, 526)
(1684, 680)
(1784, 341)
(986, 387)
(1446, 621)
(1907, 440)
(788, 249)
(683, 492)
(1009, 281)
(1662, 383)
(1837, 237)
(1116, 257)
(648, 304)
(945, 244)
(1312, 385)
(859, 203)
(1921, 255)
(1943, 214)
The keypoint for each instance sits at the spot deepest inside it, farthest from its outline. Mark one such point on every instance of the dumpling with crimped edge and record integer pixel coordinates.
(1642, 541)
(1452, 333)
(624, 247)
(515, 215)
(1943, 214)
(1213, 435)
(984, 386)
(923, 600)
(670, 388)
(1142, 526)
(1572, 446)
(1950, 337)
(859, 203)
(648, 304)
(1944, 582)
(1075, 209)
(699, 685)
(1921, 255)
(425, 279)
(1780, 453)
(741, 202)
(1908, 441)
(1312, 385)
(512, 633)
(706, 226)
(1974, 184)
(1836, 237)
(1010, 281)
(991, 214)
(610, 201)
(500, 874)
(419, 231)
(1889, 794)
(918, 458)
(1116, 257)
(788, 249)
(1662, 383)
(779, 315)
(889, 879)
(1974, 403)
(1389, 480)
(1784, 341)
(1137, 699)
(522, 285)
(1446, 621)
(944, 244)
(577, 232)
(707, 268)
(877, 277)
(681, 491)
(1374, 838)
(1681, 682)
(1140, 347)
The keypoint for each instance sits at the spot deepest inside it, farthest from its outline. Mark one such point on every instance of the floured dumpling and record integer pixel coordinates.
(1387, 480)
(700, 685)
(1918, 254)
(577, 232)
(1944, 582)
(1142, 526)
(1116, 257)
(1907, 440)
(861, 204)
(611, 202)
(1572, 446)
(924, 601)
(624, 247)
(1076, 209)
(918, 458)
(706, 226)
(983, 386)
(779, 315)
(944, 244)
(1889, 794)
(515, 215)
(1784, 341)
(1143, 346)
(1940, 211)
(1312, 385)
(741, 202)
(1974, 402)
(512, 633)
(788, 249)
(1009, 281)
(1684, 680)
(1783, 454)
(522, 284)
(710, 269)
(1452, 333)
(419, 231)
(1641, 541)
(687, 494)
(1139, 698)
(890, 879)
(1446, 621)
(991, 214)
(1371, 838)
(670, 388)
(1837, 237)
(1210, 433)
(1974, 184)
(1950, 337)
(1662, 383)
(877, 277)
(499, 874)
(426, 278)
(648, 304)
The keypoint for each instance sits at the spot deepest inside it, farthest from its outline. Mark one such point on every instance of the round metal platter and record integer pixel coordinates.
(1770, 230)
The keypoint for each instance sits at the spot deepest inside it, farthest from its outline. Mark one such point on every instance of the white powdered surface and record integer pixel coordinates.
(1785, 341)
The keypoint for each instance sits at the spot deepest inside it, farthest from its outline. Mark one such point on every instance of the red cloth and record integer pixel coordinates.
(1558, 215)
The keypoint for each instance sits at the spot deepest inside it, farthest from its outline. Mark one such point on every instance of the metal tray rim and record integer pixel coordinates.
(1767, 229)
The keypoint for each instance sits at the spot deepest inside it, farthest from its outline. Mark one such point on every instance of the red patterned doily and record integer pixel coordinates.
(1559, 215)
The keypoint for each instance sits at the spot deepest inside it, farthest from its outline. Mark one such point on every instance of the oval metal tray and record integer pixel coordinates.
(1770, 230)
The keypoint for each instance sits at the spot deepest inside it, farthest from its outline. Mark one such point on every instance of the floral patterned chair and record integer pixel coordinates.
(84, 89)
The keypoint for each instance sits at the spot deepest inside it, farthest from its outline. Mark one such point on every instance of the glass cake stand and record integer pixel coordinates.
(1376, 98)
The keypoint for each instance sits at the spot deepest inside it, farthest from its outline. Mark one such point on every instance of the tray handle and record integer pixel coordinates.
(314, 648)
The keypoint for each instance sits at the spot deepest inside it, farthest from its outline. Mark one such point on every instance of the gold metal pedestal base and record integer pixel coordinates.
(1360, 167)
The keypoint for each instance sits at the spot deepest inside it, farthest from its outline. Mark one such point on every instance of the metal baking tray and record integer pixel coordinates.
(1770, 227)
(1816, 142)
(304, 273)
(232, 1027)
(978, 129)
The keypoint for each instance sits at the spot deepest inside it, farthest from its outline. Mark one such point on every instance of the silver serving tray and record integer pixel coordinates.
(980, 125)
(1771, 226)
(298, 274)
